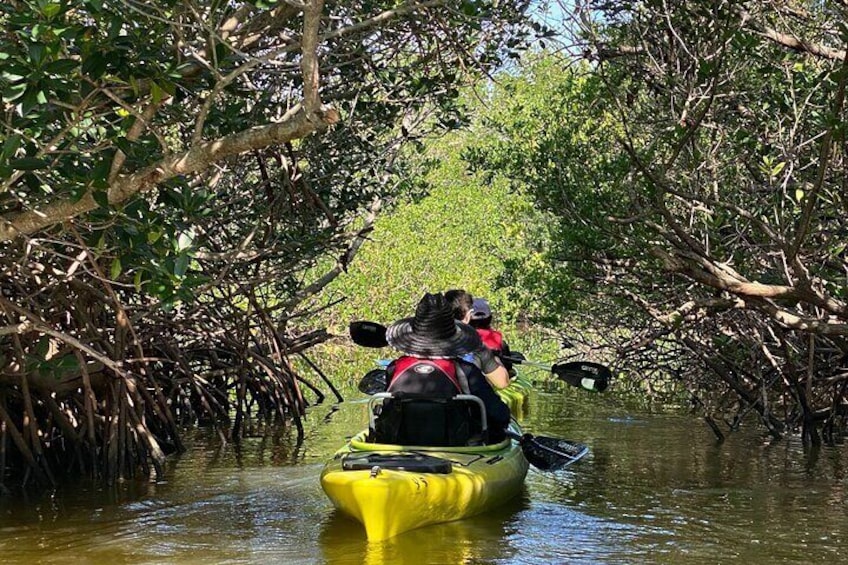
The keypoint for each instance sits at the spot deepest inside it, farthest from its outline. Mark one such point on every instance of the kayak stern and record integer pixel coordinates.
(389, 502)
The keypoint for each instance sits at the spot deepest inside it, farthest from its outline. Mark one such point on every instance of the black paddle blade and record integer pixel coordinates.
(373, 382)
(368, 334)
(550, 453)
(583, 374)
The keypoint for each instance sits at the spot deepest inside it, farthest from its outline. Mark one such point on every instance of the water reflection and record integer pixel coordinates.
(483, 539)
(656, 488)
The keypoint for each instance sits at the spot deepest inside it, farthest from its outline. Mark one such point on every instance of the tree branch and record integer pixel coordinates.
(295, 124)
(791, 41)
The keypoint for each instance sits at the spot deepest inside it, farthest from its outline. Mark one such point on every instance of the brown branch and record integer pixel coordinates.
(774, 426)
(309, 63)
(19, 442)
(142, 121)
(295, 124)
(790, 41)
(41, 326)
(824, 162)
(757, 296)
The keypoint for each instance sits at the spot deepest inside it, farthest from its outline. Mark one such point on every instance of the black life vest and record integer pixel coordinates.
(423, 410)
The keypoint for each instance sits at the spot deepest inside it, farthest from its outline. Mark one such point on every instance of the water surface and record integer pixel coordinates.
(655, 489)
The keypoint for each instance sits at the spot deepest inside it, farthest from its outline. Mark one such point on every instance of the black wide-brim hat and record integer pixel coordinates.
(433, 333)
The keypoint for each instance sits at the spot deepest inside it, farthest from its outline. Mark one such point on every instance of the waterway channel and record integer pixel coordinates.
(656, 488)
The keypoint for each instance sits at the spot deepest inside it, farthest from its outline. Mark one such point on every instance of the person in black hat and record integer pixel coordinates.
(433, 344)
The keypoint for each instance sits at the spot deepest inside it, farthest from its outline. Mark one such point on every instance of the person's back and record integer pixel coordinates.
(462, 304)
(481, 320)
(433, 343)
(442, 379)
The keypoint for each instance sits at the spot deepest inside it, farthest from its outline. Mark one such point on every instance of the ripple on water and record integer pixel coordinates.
(661, 491)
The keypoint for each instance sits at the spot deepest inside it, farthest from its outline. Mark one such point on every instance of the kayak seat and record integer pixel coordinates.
(403, 418)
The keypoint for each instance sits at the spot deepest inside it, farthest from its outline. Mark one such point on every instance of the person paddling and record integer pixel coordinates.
(433, 344)
(462, 304)
(481, 320)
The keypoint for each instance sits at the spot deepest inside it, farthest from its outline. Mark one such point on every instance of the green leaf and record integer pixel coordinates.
(61, 66)
(14, 72)
(94, 65)
(27, 163)
(30, 100)
(14, 92)
(184, 240)
(799, 195)
(156, 92)
(115, 270)
(51, 10)
(10, 146)
(36, 53)
(102, 198)
(181, 265)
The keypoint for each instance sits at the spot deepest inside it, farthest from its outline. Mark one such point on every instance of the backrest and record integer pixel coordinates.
(426, 377)
(415, 419)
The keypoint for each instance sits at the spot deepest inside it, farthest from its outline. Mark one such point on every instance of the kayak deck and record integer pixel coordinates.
(516, 394)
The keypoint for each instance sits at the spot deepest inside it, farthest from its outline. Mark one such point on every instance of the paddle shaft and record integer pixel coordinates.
(518, 361)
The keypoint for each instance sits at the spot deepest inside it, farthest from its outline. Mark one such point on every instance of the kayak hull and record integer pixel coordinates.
(389, 502)
(516, 395)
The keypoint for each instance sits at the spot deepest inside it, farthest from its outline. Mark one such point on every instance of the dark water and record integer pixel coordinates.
(655, 489)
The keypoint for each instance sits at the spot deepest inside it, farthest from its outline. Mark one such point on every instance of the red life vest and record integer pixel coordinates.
(491, 338)
(412, 374)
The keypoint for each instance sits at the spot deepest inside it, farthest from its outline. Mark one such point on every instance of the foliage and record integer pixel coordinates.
(547, 134)
(171, 170)
(458, 230)
(706, 207)
(458, 234)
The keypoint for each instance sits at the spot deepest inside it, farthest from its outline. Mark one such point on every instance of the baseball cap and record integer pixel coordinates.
(481, 309)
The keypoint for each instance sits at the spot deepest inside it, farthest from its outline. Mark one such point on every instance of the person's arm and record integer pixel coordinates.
(495, 372)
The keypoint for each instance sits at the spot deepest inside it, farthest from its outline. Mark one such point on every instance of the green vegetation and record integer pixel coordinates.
(466, 231)
(182, 185)
(171, 173)
(457, 236)
(696, 166)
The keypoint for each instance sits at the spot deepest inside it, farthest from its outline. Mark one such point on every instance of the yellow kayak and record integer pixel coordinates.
(516, 395)
(441, 485)
(392, 489)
